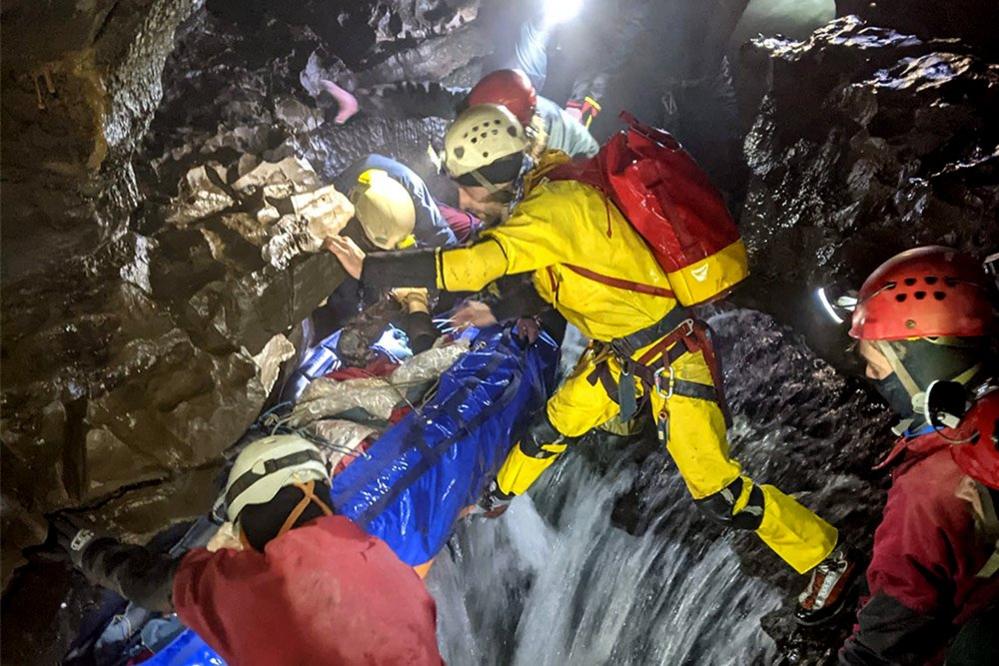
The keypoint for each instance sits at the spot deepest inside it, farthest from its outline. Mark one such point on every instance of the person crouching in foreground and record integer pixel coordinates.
(924, 316)
(305, 587)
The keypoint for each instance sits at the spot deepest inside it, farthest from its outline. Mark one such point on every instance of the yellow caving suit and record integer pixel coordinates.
(562, 223)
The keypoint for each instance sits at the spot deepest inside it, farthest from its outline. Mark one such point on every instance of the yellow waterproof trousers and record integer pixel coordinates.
(697, 443)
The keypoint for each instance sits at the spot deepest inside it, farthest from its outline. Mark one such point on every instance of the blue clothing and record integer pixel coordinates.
(431, 230)
(530, 53)
(565, 133)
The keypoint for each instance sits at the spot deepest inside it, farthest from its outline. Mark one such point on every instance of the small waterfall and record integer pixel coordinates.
(554, 582)
(611, 563)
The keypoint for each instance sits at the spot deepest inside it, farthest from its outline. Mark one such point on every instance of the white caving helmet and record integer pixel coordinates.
(266, 466)
(481, 136)
(384, 208)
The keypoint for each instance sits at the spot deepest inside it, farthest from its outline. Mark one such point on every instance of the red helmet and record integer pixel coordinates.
(979, 458)
(507, 87)
(923, 292)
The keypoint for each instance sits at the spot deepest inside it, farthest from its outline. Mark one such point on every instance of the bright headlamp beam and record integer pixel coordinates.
(830, 310)
(560, 11)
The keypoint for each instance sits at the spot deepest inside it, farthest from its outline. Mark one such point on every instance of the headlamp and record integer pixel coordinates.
(560, 11)
(838, 308)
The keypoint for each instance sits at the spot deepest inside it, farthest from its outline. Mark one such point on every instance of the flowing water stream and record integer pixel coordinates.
(609, 562)
(554, 582)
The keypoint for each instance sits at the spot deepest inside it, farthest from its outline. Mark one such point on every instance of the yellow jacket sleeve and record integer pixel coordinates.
(470, 268)
(534, 236)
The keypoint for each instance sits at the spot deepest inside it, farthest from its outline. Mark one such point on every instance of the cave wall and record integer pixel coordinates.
(163, 163)
(867, 141)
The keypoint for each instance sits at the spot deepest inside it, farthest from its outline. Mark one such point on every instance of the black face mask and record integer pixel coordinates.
(894, 393)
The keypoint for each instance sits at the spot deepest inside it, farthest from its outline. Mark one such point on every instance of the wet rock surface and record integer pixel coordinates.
(973, 21)
(868, 141)
(150, 286)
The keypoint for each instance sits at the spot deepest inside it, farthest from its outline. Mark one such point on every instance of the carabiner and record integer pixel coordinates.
(657, 380)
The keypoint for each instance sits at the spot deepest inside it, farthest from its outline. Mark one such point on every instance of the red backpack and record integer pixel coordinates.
(670, 202)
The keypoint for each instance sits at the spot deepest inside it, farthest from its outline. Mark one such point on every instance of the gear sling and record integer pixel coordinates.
(682, 218)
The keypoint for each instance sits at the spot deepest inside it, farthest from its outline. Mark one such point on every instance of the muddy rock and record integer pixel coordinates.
(167, 186)
(972, 21)
(868, 141)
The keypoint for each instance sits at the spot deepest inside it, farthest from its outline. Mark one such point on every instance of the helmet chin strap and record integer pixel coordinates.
(308, 497)
(917, 394)
(911, 387)
(481, 180)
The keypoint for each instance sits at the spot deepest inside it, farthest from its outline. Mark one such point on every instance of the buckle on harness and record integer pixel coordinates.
(689, 325)
(657, 380)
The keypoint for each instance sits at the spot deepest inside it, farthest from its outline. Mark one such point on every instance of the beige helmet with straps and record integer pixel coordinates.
(480, 136)
(269, 464)
(384, 208)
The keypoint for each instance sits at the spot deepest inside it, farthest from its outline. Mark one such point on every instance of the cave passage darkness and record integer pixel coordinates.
(148, 311)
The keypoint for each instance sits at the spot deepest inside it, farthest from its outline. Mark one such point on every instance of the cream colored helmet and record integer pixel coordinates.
(481, 135)
(384, 208)
(266, 466)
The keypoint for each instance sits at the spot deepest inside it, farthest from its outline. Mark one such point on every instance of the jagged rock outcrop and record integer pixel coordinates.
(867, 142)
(972, 21)
(80, 84)
(148, 296)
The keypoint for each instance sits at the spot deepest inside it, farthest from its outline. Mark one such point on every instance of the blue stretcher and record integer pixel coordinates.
(417, 477)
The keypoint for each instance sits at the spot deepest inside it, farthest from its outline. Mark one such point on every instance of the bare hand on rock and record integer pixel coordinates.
(350, 255)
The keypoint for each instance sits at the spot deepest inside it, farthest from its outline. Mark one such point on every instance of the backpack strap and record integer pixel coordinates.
(619, 283)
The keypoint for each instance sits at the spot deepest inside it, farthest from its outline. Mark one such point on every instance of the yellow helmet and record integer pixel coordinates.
(384, 208)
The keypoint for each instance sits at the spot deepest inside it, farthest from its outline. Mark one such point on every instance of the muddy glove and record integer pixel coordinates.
(493, 503)
(528, 329)
(73, 536)
(414, 299)
(133, 572)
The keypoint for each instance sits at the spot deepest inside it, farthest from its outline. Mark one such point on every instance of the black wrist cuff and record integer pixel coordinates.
(406, 268)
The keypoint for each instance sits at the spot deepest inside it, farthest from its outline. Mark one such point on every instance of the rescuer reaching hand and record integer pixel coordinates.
(924, 316)
(590, 263)
(306, 587)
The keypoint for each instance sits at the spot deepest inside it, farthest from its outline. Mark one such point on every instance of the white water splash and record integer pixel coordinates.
(555, 583)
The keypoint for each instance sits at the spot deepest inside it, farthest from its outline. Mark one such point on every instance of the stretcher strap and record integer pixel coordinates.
(429, 455)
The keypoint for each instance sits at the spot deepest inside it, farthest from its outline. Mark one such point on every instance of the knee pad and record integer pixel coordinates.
(542, 440)
(719, 507)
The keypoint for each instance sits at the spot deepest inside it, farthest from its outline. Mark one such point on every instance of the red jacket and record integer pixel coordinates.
(927, 552)
(323, 593)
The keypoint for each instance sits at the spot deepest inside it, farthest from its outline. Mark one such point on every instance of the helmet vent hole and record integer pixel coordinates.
(910, 281)
(465, 136)
(495, 132)
(930, 279)
(939, 295)
(474, 140)
(910, 323)
(459, 152)
(512, 131)
(485, 154)
(920, 295)
(901, 297)
(485, 134)
(475, 129)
